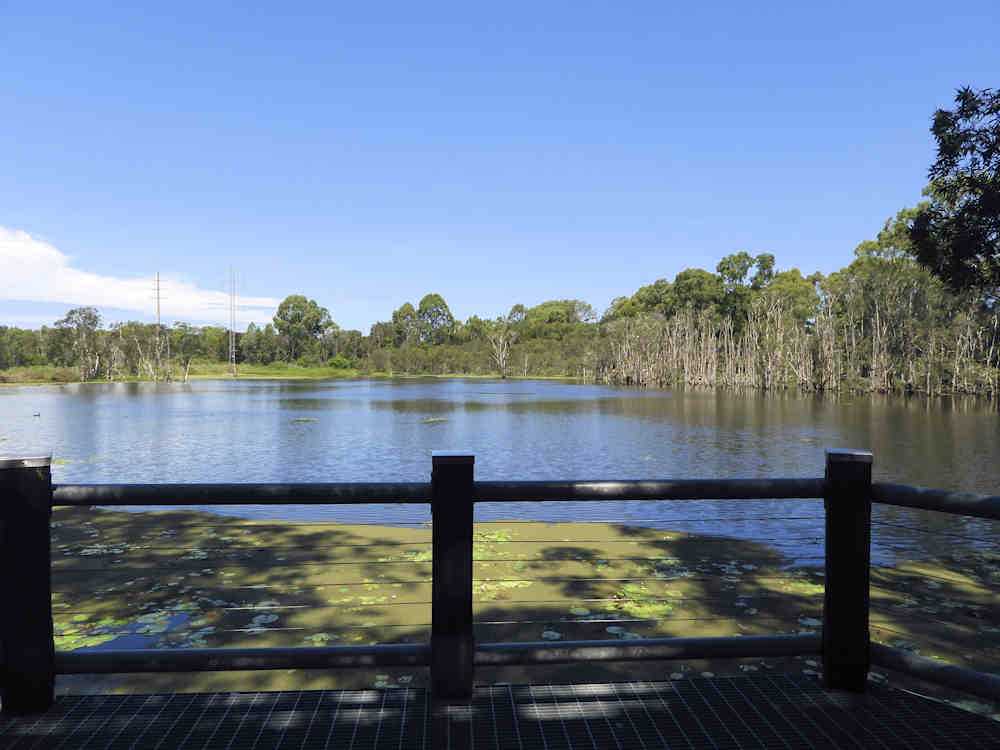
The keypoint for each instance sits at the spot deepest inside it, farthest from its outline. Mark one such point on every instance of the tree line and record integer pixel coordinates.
(883, 323)
(915, 311)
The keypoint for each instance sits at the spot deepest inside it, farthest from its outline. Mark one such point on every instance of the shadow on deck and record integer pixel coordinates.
(765, 711)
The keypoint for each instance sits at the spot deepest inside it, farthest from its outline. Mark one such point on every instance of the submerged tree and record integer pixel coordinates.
(83, 323)
(502, 333)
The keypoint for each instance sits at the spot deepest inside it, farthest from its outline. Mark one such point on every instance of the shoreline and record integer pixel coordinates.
(291, 374)
(263, 373)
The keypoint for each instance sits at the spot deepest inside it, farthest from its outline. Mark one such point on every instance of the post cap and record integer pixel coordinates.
(452, 458)
(844, 455)
(25, 462)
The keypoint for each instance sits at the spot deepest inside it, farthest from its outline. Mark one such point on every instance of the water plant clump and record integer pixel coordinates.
(186, 579)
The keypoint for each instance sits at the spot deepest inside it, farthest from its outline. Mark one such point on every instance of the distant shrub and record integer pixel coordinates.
(340, 362)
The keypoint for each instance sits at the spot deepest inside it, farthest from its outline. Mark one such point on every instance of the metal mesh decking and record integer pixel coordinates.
(722, 712)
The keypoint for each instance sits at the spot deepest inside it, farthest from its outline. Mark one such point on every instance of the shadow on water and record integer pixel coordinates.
(193, 580)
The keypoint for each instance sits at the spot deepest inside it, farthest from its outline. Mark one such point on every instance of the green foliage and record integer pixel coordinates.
(765, 271)
(698, 288)
(436, 323)
(340, 362)
(298, 321)
(406, 325)
(798, 295)
(552, 319)
(957, 234)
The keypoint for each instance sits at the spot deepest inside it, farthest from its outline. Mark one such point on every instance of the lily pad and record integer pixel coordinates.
(319, 638)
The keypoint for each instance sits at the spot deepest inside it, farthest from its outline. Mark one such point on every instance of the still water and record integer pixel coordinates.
(385, 430)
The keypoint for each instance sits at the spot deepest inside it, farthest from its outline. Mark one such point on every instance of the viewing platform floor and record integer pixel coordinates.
(753, 711)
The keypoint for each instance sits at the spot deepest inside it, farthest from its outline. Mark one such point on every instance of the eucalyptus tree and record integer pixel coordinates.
(81, 324)
(406, 325)
(436, 320)
(300, 321)
(957, 234)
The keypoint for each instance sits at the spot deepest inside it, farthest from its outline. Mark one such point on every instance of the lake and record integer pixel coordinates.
(385, 430)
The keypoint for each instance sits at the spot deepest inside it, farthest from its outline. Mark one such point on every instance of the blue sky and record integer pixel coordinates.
(365, 154)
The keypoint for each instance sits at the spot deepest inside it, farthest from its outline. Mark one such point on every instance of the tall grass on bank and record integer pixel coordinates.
(282, 370)
(39, 374)
(48, 374)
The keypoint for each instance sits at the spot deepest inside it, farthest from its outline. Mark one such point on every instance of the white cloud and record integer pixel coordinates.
(34, 271)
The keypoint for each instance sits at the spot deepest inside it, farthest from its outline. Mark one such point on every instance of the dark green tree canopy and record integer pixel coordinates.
(698, 288)
(437, 322)
(734, 269)
(298, 320)
(957, 234)
(406, 324)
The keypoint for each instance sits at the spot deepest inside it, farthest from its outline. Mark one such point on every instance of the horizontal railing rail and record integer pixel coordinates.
(943, 501)
(678, 489)
(29, 662)
(966, 680)
(420, 492)
(641, 649)
(240, 494)
(226, 659)
(901, 495)
(415, 655)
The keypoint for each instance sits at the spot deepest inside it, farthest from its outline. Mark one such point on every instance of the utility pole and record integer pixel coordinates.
(232, 323)
(157, 324)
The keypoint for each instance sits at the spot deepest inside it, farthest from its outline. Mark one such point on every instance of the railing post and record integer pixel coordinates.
(452, 644)
(27, 653)
(848, 501)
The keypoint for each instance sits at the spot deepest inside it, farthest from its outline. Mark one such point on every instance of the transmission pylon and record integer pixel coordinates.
(232, 323)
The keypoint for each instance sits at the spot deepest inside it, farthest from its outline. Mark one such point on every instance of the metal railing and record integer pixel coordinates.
(29, 661)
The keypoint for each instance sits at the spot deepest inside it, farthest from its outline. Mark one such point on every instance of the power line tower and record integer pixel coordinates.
(156, 343)
(232, 323)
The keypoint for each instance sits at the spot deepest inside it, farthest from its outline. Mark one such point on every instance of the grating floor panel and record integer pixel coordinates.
(719, 713)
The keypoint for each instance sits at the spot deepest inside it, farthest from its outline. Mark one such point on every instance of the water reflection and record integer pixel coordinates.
(382, 430)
